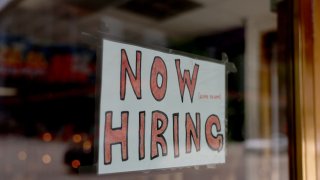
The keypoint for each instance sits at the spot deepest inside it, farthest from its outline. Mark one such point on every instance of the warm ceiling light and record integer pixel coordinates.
(8, 91)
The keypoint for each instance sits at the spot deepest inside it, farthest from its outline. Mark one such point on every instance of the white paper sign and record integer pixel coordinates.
(159, 110)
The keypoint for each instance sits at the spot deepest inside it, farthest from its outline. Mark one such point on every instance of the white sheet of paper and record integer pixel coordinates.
(209, 99)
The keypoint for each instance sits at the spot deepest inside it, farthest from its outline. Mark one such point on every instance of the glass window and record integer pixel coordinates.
(48, 81)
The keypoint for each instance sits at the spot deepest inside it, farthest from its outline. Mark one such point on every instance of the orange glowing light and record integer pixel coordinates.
(75, 163)
(87, 146)
(77, 138)
(47, 137)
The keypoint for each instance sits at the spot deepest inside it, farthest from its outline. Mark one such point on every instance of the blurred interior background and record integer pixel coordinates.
(48, 79)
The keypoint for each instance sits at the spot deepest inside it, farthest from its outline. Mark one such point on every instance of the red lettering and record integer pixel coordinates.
(185, 79)
(192, 133)
(135, 80)
(141, 135)
(157, 133)
(114, 136)
(158, 68)
(176, 134)
(214, 142)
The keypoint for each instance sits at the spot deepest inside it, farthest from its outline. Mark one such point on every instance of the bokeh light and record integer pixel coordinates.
(76, 138)
(47, 137)
(46, 159)
(22, 155)
(87, 146)
(75, 163)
